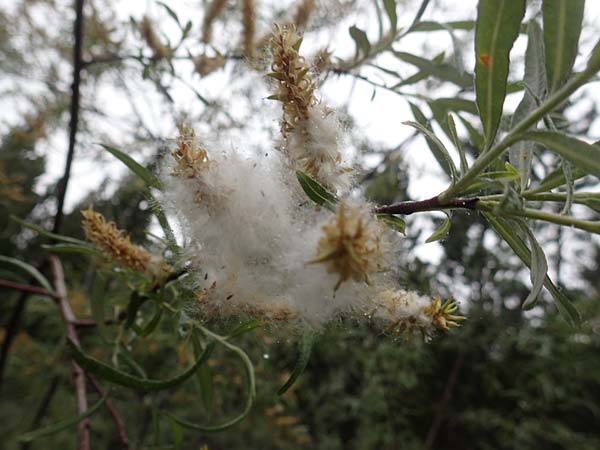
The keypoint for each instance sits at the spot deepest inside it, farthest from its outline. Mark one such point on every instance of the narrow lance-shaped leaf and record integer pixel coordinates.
(441, 232)
(135, 167)
(535, 79)
(563, 304)
(440, 70)
(390, 9)
(74, 248)
(41, 279)
(108, 373)
(250, 384)
(316, 191)
(395, 222)
(455, 139)
(562, 28)
(581, 154)
(61, 425)
(306, 345)
(498, 24)
(436, 146)
(361, 40)
(539, 268)
(43, 232)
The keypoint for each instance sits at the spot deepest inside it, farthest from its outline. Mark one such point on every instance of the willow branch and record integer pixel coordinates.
(430, 204)
(28, 288)
(74, 114)
(116, 418)
(83, 427)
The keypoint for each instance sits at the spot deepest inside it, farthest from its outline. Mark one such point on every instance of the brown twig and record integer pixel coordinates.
(83, 427)
(444, 400)
(26, 288)
(113, 413)
(430, 204)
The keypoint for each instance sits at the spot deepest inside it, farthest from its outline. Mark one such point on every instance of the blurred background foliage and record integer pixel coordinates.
(504, 380)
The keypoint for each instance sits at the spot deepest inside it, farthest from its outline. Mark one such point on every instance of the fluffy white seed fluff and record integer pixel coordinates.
(248, 234)
(315, 147)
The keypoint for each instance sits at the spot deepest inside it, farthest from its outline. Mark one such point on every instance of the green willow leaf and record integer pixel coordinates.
(562, 28)
(441, 232)
(464, 166)
(361, 40)
(136, 168)
(581, 154)
(158, 211)
(61, 425)
(245, 327)
(306, 345)
(428, 26)
(498, 24)
(395, 222)
(84, 249)
(316, 191)
(555, 179)
(250, 385)
(204, 376)
(115, 376)
(506, 231)
(539, 268)
(442, 71)
(438, 149)
(41, 279)
(43, 232)
(97, 303)
(390, 9)
(520, 155)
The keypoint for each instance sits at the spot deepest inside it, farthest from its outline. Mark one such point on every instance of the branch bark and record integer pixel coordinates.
(28, 288)
(74, 112)
(113, 413)
(83, 427)
(430, 204)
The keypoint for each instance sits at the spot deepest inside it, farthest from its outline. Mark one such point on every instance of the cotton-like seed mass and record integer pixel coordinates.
(254, 244)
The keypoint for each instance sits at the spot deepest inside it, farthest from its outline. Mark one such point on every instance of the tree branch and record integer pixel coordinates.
(431, 204)
(26, 288)
(74, 111)
(83, 427)
(113, 413)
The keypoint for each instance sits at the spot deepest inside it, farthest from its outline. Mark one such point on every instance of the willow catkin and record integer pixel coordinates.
(215, 9)
(152, 40)
(249, 22)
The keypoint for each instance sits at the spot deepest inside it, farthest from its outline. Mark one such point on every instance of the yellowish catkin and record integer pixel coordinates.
(442, 314)
(215, 9)
(115, 243)
(295, 88)
(300, 19)
(191, 159)
(352, 245)
(152, 40)
(205, 65)
(303, 13)
(249, 22)
(408, 313)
